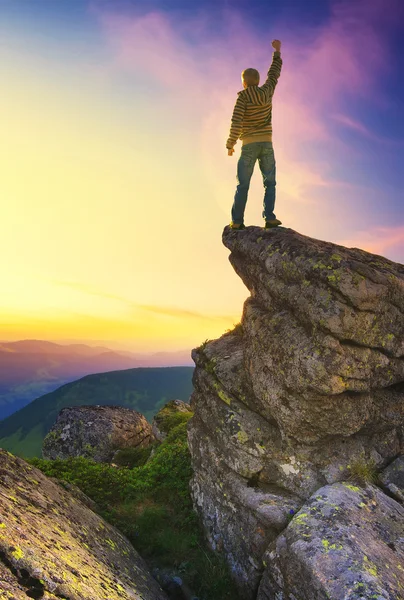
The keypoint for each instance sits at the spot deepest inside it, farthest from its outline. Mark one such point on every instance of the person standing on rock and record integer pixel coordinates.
(252, 123)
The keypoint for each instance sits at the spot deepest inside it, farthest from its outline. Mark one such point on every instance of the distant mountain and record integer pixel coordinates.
(143, 389)
(31, 368)
(45, 347)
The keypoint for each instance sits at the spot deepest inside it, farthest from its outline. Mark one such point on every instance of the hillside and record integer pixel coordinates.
(32, 368)
(143, 389)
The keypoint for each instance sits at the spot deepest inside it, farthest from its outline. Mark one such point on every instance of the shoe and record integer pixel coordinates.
(273, 223)
(237, 225)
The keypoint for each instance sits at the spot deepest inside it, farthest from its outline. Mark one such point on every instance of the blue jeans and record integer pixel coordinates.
(264, 152)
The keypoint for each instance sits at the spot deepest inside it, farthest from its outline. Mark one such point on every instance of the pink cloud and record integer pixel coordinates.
(381, 240)
(344, 56)
(355, 125)
(199, 73)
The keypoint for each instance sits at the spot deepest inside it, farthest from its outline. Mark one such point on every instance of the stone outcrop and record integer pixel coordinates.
(53, 546)
(96, 432)
(306, 390)
(392, 478)
(167, 417)
(346, 542)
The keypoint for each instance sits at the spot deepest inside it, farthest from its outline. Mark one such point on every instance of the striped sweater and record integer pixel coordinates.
(252, 114)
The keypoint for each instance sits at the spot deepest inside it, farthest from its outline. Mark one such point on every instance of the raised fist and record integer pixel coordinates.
(276, 45)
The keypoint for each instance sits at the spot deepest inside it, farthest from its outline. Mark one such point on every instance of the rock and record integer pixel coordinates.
(346, 542)
(96, 432)
(173, 585)
(10, 586)
(53, 546)
(239, 521)
(393, 478)
(305, 389)
(240, 514)
(168, 417)
(76, 493)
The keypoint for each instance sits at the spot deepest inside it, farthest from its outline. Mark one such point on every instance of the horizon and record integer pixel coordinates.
(117, 184)
(107, 344)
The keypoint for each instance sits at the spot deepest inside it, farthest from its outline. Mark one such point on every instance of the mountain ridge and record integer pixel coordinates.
(32, 368)
(144, 389)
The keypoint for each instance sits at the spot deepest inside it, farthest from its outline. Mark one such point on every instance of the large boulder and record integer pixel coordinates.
(96, 432)
(305, 389)
(53, 546)
(346, 542)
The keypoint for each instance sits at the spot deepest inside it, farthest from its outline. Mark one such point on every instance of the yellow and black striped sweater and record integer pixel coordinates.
(252, 114)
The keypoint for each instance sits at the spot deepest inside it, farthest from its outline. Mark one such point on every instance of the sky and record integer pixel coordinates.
(115, 182)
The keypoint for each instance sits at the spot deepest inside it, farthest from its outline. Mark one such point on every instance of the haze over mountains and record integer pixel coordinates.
(32, 368)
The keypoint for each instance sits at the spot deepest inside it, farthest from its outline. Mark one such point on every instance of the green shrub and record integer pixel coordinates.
(133, 457)
(168, 418)
(151, 505)
(165, 477)
(101, 482)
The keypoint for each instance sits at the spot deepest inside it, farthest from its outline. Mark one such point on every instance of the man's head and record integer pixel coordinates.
(250, 77)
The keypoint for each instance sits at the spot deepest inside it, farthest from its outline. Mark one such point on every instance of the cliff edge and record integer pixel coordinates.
(305, 392)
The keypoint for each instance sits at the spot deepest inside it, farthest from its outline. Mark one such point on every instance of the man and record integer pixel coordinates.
(252, 123)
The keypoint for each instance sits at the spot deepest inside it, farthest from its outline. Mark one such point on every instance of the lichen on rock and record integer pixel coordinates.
(53, 546)
(346, 542)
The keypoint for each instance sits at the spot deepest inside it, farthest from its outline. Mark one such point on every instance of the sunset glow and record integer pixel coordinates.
(115, 181)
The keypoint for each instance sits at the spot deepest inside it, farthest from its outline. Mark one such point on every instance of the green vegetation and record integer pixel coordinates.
(143, 389)
(237, 329)
(202, 347)
(169, 417)
(363, 471)
(133, 457)
(151, 505)
(210, 365)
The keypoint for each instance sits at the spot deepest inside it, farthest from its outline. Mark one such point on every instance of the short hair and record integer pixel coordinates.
(250, 76)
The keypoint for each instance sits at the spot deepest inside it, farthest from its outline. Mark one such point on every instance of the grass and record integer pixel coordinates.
(364, 471)
(237, 329)
(31, 443)
(151, 504)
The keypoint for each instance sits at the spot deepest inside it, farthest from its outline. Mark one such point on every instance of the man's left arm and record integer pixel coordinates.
(275, 68)
(236, 124)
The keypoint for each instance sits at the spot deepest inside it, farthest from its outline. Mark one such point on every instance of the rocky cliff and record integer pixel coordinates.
(307, 391)
(53, 546)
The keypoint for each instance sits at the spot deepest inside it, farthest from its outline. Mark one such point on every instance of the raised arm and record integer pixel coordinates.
(275, 68)
(236, 122)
